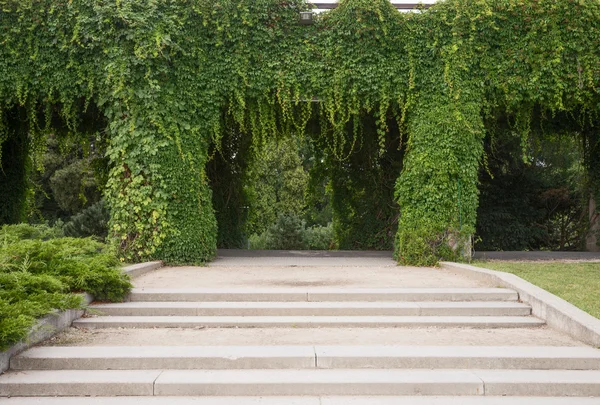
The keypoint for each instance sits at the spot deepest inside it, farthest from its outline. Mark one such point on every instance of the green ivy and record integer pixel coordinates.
(165, 73)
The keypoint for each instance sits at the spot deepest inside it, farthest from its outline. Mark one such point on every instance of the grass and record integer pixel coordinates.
(577, 283)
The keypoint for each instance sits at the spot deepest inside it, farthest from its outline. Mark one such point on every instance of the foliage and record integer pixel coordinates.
(591, 142)
(276, 186)
(92, 221)
(169, 78)
(73, 177)
(437, 192)
(39, 270)
(577, 283)
(260, 241)
(15, 165)
(320, 237)
(70, 172)
(250, 188)
(534, 203)
(363, 209)
(15, 233)
(227, 171)
(289, 232)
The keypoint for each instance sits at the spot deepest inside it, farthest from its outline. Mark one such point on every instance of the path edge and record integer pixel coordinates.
(56, 322)
(558, 313)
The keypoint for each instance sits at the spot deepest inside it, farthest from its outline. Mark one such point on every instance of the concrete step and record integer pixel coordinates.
(305, 400)
(458, 357)
(300, 382)
(307, 357)
(473, 308)
(305, 321)
(323, 294)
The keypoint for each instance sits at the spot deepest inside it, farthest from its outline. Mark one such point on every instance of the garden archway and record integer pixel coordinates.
(168, 75)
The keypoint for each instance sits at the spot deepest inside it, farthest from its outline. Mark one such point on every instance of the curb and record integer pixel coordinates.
(54, 323)
(137, 270)
(558, 313)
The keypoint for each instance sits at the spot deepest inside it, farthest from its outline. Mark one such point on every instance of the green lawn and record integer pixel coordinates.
(578, 283)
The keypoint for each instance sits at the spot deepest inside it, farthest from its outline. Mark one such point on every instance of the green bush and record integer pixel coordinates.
(289, 233)
(40, 271)
(260, 242)
(320, 237)
(92, 221)
(14, 233)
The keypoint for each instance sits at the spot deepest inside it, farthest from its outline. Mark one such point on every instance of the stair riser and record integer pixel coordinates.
(306, 400)
(320, 297)
(181, 363)
(115, 311)
(77, 389)
(300, 388)
(172, 363)
(275, 323)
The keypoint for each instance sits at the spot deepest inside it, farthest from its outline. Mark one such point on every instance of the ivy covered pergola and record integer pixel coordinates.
(170, 78)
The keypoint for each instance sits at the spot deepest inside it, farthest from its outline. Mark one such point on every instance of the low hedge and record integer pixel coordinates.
(41, 271)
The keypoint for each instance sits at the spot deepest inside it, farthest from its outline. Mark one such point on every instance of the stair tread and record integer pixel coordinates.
(305, 304)
(304, 400)
(274, 320)
(328, 289)
(313, 376)
(554, 352)
(323, 294)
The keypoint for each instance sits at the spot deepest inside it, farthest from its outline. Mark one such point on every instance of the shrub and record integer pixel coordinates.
(15, 233)
(287, 233)
(74, 186)
(92, 221)
(39, 272)
(319, 237)
(260, 242)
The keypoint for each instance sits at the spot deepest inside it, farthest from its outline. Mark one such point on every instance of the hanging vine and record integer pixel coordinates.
(164, 73)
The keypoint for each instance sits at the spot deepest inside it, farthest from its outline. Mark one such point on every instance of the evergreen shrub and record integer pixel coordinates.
(40, 272)
(92, 221)
(320, 237)
(291, 233)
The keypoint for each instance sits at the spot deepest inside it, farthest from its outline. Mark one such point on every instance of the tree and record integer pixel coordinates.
(277, 184)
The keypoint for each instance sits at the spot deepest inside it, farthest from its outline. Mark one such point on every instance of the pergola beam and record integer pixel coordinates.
(399, 4)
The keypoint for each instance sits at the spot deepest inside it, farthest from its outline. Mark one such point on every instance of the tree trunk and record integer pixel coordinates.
(593, 234)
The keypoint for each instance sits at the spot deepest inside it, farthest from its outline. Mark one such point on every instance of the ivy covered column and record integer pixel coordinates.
(437, 189)
(158, 192)
(192, 227)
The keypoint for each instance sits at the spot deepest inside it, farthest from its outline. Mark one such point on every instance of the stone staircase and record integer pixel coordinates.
(308, 374)
(286, 308)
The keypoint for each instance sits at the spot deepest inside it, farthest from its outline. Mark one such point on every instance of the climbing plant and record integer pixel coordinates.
(164, 74)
